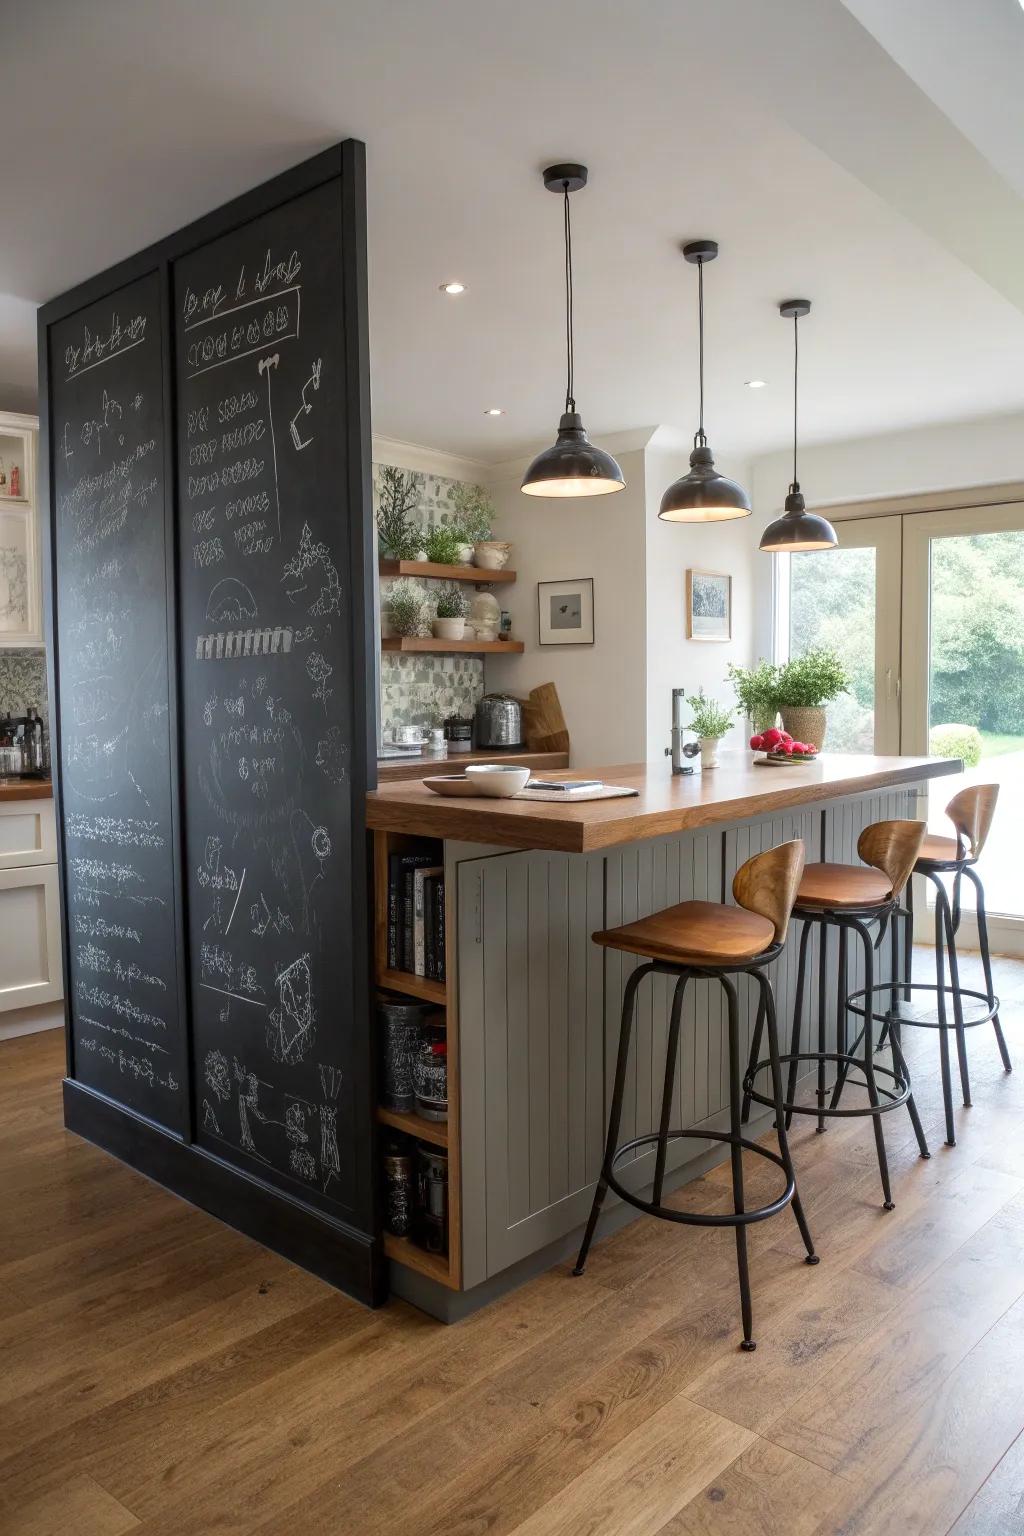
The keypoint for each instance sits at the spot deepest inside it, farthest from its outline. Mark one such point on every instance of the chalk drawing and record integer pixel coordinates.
(329, 1156)
(313, 382)
(217, 1075)
(332, 756)
(311, 555)
(330, 1080)
(291, 1025)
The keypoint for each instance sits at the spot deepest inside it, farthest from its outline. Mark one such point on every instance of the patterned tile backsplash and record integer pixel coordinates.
(423, 690)
(22, 682)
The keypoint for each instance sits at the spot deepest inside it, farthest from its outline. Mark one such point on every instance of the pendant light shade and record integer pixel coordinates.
(572, 466)
(797, 529)
(704, 495)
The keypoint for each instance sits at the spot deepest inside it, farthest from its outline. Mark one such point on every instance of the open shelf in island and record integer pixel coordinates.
(435, 1131)
(402, 1250)
(445, 1271)
(477, 573)
(411, 644)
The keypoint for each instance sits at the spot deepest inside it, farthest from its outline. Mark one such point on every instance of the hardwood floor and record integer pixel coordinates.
(161, 1374)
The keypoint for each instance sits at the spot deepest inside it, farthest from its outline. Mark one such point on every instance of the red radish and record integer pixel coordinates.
(771, 738)
(756, 743)
(785, 736)
(787, 748)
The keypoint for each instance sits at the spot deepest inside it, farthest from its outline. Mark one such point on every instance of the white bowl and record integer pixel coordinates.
(497, 779)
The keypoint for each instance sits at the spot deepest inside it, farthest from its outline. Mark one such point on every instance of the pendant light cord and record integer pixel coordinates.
(700, 438)
(570, 402)
(796, 372)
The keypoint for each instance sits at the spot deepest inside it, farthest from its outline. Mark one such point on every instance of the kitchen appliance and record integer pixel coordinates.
(499, 722)
(458, 733)
(22, 748)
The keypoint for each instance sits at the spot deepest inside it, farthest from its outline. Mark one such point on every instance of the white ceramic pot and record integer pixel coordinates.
(465, 554)
(709, 752)
(492, 554)
(449, 629)
(421, 556)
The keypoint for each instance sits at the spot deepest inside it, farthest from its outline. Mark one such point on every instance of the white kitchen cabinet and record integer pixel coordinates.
(30, 943)
(21, 586)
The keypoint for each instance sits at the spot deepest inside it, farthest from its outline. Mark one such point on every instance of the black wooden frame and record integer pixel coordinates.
(337, 1251)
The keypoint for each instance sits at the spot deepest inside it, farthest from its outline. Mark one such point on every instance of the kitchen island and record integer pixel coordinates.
(533, 1005)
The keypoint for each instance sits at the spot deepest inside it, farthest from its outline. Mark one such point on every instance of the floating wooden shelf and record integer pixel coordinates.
(435, 1265)
(413, 644)
(475, 573)
(415, 1125)
(416, 986)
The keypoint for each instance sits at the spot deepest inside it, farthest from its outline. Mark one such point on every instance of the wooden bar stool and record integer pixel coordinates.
(707, 939)
(850, 898)
(971, 812)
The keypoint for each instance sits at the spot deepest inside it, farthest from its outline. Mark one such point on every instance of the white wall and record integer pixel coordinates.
(673, 661)
(953, 456)
(601, 687)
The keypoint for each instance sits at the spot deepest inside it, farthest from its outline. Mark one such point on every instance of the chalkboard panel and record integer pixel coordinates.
(107, 474)
(267, 689)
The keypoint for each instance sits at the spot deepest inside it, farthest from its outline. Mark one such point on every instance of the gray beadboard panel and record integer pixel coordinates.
(513, 933)
(541, 969)
(478, 994)
(558, 1030)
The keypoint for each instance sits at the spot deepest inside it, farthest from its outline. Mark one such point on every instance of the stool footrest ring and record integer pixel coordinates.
(893, 1097)
(688, 1218)
(893, 1016)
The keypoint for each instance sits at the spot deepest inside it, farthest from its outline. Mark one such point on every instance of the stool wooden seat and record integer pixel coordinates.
(842, 885)
(706, 939)
(850, 898)
(971, 812)
(694, 933)
(939, 850)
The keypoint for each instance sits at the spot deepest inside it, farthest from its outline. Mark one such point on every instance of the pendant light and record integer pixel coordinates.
(572, 466)
(704, 495)
(797, 529)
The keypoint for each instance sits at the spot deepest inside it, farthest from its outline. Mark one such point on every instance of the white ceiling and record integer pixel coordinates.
(873, 167)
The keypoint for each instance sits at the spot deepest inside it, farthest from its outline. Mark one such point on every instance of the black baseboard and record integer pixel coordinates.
(351, 1260)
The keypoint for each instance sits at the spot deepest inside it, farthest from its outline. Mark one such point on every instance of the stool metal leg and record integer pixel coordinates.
(908, 939)
(615, 1114)
(768, 1007)
(869, 1062)
(671, 1052)
(822, 1041)
(986, 962)
(755, 1049)
(736, 1151)
(940, 1004)
(958, 1002)
(798, 1009)
(841, 1003)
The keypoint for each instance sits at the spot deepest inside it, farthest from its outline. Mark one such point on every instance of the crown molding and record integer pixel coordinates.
(428, 461)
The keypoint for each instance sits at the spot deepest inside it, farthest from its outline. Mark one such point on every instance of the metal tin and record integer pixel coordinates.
(499, 721)
(400, 1027)
(432, 1203)
(430, 1076)
(399, 1191)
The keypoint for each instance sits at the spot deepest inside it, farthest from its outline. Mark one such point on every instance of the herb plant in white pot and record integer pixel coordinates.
(450, 623)
(711, 721)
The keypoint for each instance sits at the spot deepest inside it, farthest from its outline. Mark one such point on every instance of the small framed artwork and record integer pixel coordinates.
(566, 611)
(708, 605)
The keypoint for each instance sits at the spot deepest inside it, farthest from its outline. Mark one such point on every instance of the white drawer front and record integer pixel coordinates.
(30, 958)
(28, 833)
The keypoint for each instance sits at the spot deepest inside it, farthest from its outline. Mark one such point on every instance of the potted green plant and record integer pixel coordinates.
(472, 518)
(711, 721)
(805, 685)
(397, 534)
(450, 620)
(757, 693)
(402, 608)
(444, 545)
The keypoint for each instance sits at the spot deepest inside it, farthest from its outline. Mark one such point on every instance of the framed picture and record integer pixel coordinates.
(708, 605)
(566, 611)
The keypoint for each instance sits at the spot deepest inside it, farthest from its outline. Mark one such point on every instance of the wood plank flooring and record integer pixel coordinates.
(162, 1375)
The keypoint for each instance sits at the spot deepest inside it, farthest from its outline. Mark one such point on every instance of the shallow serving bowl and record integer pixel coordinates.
(497, 779)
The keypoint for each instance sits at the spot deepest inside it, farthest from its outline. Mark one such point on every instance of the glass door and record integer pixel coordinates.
(963, 674)
(849, 598)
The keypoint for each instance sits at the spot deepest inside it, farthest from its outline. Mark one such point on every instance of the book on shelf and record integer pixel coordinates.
(419, 925)
(406, 909)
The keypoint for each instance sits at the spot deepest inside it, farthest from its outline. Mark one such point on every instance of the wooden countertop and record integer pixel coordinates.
(25, 789)
(734, 791)
(417, 766)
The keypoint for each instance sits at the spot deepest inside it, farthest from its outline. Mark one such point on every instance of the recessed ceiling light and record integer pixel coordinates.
(453, 288)
(494, 410)
(755, 383)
